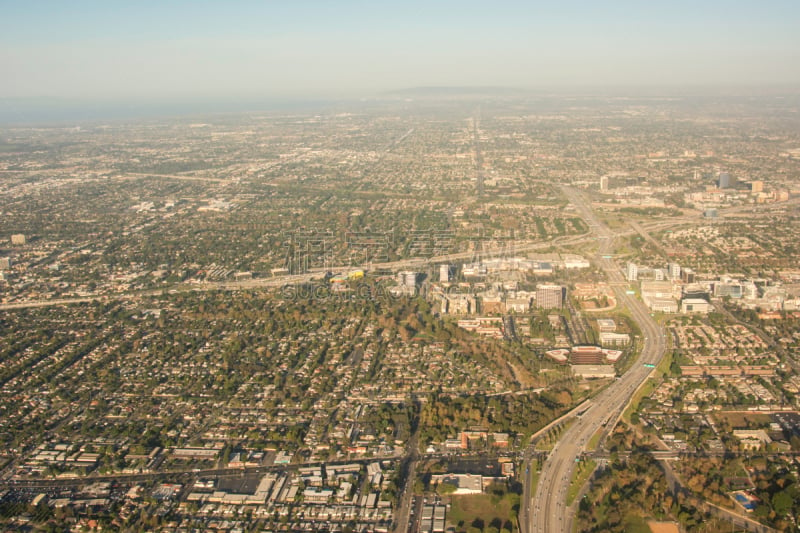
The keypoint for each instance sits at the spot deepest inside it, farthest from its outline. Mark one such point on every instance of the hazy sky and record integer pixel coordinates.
(123, 50)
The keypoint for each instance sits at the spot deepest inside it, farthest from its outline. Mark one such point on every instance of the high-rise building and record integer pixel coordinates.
(633, 272)
(407, 278)
(724, 180)
(674, 271)
(5, 263)
(444, 273)
(757, 186)
(18, 239)
(549, 296)
(603, 183)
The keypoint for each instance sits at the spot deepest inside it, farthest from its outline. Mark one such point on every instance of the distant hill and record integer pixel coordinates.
(438, 92)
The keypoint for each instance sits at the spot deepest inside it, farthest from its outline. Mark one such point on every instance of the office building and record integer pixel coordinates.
(407, 279)
(695, 305)
(674, 271)
(729, 289)
(606, 325)
(549, 296)
(633, 272)
(458, 304)
(608, 338)
(444, 273)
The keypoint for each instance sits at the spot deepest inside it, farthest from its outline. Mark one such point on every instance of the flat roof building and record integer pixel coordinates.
(549, 296)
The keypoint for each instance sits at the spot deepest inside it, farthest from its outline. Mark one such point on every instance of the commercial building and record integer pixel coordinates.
(519, 302)
(662, 305)
(660, 296)
(464, 483)
(458, 304)
(633, 272)
(474, 270)
(444, 273)
(729, 289)
(674, 271)
(406, 283)
(433, 517)
(493, 304)
(606, 324)
(614, 339)
(407, 279)
(584, 355)
(752, 439)
(695, 305)
(549, 296)
(574, 262)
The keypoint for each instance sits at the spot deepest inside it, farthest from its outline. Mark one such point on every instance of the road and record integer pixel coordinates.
(597, 231)
(519, 247)
(294, 279)
(546, 511)
(408, 468)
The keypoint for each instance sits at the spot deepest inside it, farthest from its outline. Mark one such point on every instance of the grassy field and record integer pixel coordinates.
(644, 392)
(534, 465)
(740, 420)
(484, 511)
(579, 478)
(595, 440)
(636, 524)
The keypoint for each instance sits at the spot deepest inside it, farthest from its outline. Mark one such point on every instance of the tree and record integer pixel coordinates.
(446, 488)
(782, 502)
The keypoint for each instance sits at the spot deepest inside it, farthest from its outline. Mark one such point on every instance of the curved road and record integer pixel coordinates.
(546, 511)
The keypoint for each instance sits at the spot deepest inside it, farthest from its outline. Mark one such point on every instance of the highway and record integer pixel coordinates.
(519, 247)
(597, 232)
(546, 510)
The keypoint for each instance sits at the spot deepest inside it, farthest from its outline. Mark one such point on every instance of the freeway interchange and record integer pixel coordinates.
(546, 510)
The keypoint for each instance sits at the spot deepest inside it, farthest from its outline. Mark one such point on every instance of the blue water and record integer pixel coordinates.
(741, 498)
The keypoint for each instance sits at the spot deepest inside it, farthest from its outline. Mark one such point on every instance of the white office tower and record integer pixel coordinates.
(444, 273)
(633, 272)
(674, 271)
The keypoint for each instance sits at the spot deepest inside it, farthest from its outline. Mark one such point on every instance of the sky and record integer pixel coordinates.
(114, 50)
